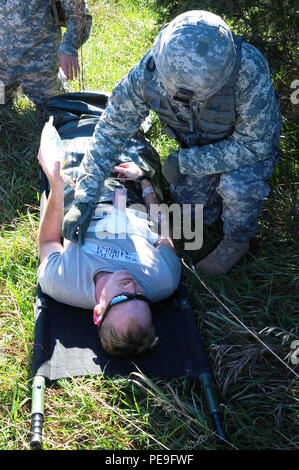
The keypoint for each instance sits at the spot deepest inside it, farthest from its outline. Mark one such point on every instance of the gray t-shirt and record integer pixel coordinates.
(69, 277)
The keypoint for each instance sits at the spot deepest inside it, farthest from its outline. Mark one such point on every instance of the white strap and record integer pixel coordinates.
(147, 191)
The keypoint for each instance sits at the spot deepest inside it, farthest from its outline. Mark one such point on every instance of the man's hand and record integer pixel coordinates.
(70, 66)
(166, 242)
(76, 222)
(52, 171)
(171, 168)
(127, 171)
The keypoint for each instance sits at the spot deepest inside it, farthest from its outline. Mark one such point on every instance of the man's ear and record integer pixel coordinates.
(97, 316)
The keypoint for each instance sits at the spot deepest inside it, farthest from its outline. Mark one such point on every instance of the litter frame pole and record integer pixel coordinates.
(205, 377)
(209, 389)
(37, 412)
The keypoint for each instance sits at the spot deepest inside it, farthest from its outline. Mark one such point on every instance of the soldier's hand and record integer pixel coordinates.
(70, 66)
(76, 222)
(171, 168)
(127, 171)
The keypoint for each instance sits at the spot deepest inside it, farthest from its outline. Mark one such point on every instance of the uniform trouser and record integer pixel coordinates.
(239, 194)
(38, 76)
(37, 86)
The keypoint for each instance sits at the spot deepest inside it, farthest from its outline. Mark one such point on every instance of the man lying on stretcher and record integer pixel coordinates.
(115, 275)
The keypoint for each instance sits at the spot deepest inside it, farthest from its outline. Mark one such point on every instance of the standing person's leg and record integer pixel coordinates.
(41, 86)
(9, 88)
(40, 76)
(243, 193)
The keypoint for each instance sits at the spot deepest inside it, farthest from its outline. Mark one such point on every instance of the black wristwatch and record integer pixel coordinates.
(138, 181)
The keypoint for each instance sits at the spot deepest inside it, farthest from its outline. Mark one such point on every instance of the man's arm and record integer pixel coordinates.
(131, 171)
(78, 25)
(121, 119)
(152, 201)
(257, 130)
(49, 235)
(123, 115)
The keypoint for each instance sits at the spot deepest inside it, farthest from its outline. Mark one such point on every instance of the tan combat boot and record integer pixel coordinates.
(223, 258)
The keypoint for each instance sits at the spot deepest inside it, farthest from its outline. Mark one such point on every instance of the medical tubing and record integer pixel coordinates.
(53, 150)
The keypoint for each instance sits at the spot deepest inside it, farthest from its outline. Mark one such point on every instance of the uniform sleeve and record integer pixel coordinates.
(123, 115)
(78, 25)
(257, 129)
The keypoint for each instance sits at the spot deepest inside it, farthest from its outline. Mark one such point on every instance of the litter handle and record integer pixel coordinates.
(37, 412)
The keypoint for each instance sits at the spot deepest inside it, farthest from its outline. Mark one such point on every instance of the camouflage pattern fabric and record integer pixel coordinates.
(31, 43)
(237, 195)
(257, 129)
(78, 25)
(196, 40)
(255, 137)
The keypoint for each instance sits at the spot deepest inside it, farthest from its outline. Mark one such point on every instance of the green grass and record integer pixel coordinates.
(248, 319)
(120, 36)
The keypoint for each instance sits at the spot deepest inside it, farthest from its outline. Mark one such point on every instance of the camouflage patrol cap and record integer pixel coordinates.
(195, 51)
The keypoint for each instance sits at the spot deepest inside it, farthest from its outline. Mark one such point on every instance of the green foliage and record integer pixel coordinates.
(115, 46)
(270, 25)
(248, 320)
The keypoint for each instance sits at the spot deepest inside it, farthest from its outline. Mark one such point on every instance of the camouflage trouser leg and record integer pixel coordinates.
(9, 89)
(240, 194)
(37, 86)
(40, 86)
(199, 190)
(243, 193)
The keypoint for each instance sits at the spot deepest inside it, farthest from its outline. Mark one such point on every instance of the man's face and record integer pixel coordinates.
(118, 283)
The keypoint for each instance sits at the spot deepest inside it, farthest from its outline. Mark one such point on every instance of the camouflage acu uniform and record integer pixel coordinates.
(226, 172)
(30, 46)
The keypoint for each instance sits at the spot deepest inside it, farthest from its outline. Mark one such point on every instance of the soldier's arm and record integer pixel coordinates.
(257, 130)
(78, 25)
(124, 113)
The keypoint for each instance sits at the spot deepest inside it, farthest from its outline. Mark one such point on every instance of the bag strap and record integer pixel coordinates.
(58, 12)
